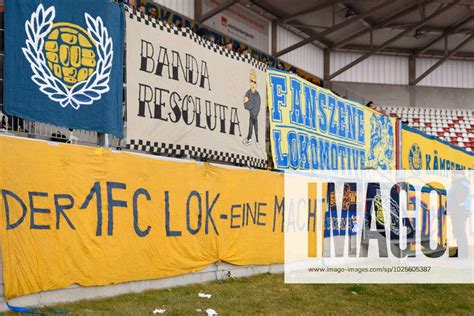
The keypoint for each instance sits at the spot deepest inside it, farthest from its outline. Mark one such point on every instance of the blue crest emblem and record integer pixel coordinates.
(70, 64)
(414, 157)
(64, 63)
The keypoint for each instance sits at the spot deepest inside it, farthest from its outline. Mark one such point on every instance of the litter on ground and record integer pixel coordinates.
(211, 312)
(204, 295)
(159, 311)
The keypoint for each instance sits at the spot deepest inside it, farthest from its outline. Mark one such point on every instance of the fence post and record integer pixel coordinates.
(103, 140)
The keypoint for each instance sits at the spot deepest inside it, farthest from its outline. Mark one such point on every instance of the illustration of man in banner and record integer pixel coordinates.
(252, 104)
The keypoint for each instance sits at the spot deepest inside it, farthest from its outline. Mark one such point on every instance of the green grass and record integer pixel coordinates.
(268, 295)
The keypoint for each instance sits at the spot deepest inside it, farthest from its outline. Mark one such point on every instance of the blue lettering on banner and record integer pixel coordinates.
(342, 119)
(323, 153)
(351, 122)
(282, 159)
(35, 210)
(303, 141)
(318, 130)
(361, 135)
(293, 148)
(307, 151)
(60, 208)
(136, 227)
(278, 90)
(332, 117)
(322, 105)
(314, 154)
(296, 113)
(311, 106)
(10, 225)
(112, 203)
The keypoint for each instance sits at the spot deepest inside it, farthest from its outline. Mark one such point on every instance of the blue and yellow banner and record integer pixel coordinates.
(420, 151)
(64, 63)
(89, 216)
(424, 152)
(312, 128)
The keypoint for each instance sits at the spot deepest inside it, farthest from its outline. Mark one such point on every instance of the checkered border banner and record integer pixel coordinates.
(194, 152)
(174, 150)
(186, 32)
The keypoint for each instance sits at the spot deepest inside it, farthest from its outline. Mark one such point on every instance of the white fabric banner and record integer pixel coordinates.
(187, 97)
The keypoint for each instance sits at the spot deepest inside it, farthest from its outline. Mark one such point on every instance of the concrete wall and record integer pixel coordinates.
(76, 292)
(399, 95)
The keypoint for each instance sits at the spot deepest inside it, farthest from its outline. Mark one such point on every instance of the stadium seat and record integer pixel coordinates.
(455, 126)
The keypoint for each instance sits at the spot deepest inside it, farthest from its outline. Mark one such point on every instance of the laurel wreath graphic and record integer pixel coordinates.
(82, 93)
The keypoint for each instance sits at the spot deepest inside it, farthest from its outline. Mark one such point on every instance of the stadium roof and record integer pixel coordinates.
(443, 29)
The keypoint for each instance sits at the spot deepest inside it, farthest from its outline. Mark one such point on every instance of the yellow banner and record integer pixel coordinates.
(312, 128)
(423, 152)
(73, 214)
